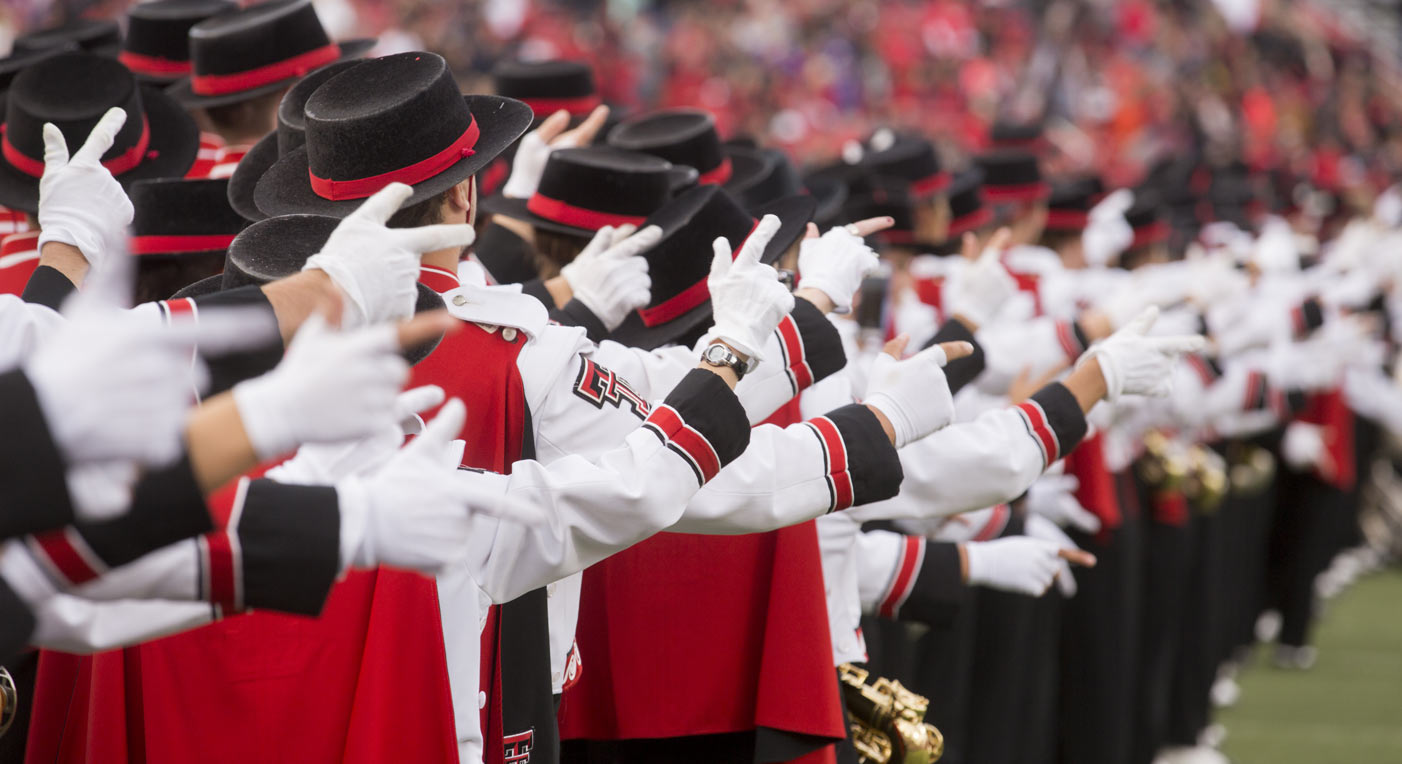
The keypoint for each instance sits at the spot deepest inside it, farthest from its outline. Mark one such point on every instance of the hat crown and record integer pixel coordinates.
(161, 29)
(910, 158)
(777, 178)
(680, 136)
(259, 35)
(557, 78)
(73, 91)
(88, 34)
(182, 207)
(692, 222)
(1009, 168)
(292, 110)
(383, 115)
(966, 193)
(607, 180)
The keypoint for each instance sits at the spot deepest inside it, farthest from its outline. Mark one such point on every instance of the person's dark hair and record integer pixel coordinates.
(245, 118)
(426, 212)
(556, 250)
(158, 277)
(1055, 240)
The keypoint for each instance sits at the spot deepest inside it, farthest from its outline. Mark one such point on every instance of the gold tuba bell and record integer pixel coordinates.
(887, 720)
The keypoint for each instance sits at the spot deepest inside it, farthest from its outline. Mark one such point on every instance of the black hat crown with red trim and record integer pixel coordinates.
(1145, 216)
(157, 48)
(73, 91)
(99, 36)
(397, 119)
(911, 158)
(1068, 207)
(176, 216)
(967, 211)
(582, 190)
(680, 136)
(1024, 136)
(1012, 176)
(548, 86)
(680, 262)
(289, 136)
(258, 50)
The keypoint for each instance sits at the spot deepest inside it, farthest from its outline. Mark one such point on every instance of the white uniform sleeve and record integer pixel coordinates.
(1039, 345)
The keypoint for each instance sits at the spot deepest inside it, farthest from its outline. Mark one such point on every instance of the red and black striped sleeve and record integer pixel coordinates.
(861, 464)
(703, 422)
(960, 371)
(1072, 338)
(32, 472)
(927, 585)
(1054, 421)
(167, 506)
(1306, 317)
(279, 550)
(811, 347)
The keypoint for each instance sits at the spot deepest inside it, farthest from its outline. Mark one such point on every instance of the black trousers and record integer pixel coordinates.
(1167, 557)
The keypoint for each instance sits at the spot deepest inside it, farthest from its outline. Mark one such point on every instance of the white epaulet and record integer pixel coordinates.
(494, 306)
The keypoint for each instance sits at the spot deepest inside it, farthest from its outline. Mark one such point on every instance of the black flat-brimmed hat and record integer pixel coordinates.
(884, 197)
(967, 211)
(289, 136)
(98, 36)
(1145, 217)
(685, 137)
(780, 179)
(1068, 207)
(1023, 136)
(73, 91)
(910, 158)
(277, 248)
(13, 64)
(399, 119)
(680, 262)
(157, 48)
(1012, 176)
(179, 231)
(548, 86)
(582, 190)
(258, 50)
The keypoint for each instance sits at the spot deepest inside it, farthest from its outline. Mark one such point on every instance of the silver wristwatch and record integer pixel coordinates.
(720, 355)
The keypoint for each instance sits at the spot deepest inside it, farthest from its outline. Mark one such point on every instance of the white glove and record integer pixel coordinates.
(1054, 497)
(331, 386)
(912, 393)
(1136, 364)
(1044, 529)
(101, 490)
(1017, 564)
(415, 512)
(1107, 233)
(609, 277)
(978, 290)
(1303, 445)
(377, 267)
(114, 386)
(534, 150)
(747, 299)
(835, 264)
(80, 203)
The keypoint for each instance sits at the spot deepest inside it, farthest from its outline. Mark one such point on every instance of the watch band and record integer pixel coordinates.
(718, 354)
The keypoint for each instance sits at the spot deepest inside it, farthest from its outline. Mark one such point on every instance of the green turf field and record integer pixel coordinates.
(1348, 708)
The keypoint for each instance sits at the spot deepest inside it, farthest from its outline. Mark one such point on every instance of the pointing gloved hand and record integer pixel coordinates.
(1068, 553)
(331, 386)
(415, 512)
(609, 276)
(1022, 564)
(536, 147)
(835, 264)
(1108, 234)
(747, 299)
(1134, 363)
(1054, 497)
(979, 286)
(80, 203)
(912, 394)
(377, 267)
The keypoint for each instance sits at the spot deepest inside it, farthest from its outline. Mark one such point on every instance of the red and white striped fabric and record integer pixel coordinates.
(19, 256)
(840, 486)
(211, 146)
(229, 158)
(1039, 427)
(13, 221)
(902, 583)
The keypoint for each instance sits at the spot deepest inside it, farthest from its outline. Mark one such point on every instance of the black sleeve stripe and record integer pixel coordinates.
(704, 420)
(820, 343)
(576, 313)
(16, 623)
(938, 590)
(167, 506)
(1054, 420)
(288, 537)
(1307, 317)
(32, 472)
(962, 371)
(871, 463)
(228, 370)
(47, 286)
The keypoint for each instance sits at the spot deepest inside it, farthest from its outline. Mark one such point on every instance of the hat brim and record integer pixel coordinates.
(246, 175)
(174, 143)
(829, 196)
(794, 213)
(745, 171)
(202, 288)
(286, 188)
(181, 91)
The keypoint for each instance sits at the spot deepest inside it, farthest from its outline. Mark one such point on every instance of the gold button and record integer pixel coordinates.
(508, 334)
(459, 300)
